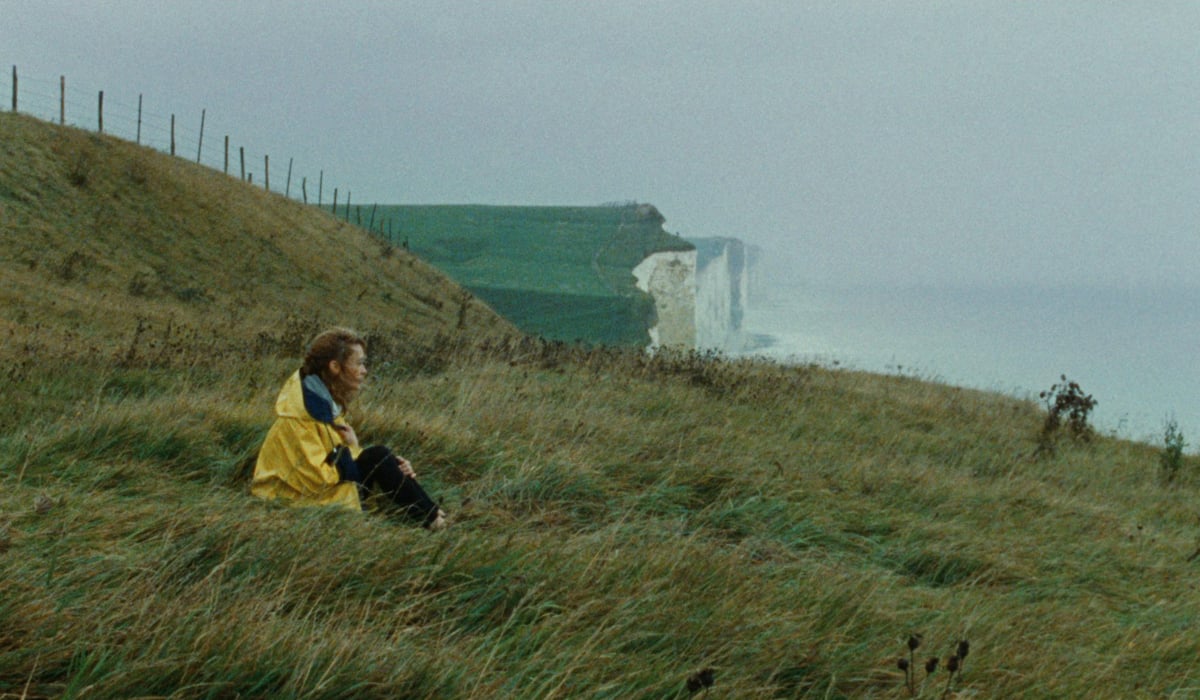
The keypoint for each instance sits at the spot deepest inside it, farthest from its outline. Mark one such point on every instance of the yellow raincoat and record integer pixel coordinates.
(292, 463)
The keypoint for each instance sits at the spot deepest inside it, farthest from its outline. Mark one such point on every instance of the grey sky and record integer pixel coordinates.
(904, 142)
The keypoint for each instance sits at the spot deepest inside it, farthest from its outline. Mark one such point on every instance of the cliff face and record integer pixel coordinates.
(670, 279)
(722, 286)
(699, 296)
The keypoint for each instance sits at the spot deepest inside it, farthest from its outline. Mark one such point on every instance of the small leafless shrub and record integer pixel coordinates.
(1067, 406)
(1171, 458)
(953, 666)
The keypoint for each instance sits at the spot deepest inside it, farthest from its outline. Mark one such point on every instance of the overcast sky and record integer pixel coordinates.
(903, 142)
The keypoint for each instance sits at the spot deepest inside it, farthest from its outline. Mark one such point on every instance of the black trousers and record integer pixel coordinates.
(381, 470)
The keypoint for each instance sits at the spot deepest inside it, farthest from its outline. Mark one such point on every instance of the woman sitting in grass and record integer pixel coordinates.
(312, 456)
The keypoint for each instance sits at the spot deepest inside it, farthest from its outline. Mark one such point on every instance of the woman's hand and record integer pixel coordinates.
(347, 434)
(406, 468)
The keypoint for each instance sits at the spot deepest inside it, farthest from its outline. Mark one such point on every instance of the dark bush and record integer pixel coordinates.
(1066, 405)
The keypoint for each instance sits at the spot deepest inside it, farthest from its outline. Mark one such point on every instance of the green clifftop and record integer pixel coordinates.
(565, 273)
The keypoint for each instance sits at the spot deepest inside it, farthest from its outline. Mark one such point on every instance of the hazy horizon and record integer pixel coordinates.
(883, 142)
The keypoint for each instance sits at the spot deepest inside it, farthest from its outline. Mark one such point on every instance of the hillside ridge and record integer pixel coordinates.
(103, 236)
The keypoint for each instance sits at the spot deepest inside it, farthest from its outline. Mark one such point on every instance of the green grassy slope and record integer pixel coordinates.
(100, 233)
(622, 521)
(564, 273)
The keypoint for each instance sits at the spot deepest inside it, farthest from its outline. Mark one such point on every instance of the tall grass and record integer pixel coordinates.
(624, 523)
(621, 522)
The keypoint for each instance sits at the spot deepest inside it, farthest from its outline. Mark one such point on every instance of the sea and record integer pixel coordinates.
(1133, 349)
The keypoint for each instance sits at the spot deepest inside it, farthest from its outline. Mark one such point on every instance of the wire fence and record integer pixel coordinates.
(183, 136)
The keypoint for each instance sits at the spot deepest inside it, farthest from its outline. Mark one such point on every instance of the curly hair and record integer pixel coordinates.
(330, 345)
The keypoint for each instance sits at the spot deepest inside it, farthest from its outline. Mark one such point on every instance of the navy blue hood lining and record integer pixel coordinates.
(317, 400)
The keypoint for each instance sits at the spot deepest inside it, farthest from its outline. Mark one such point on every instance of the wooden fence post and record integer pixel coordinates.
(320, 187)
(347, 206)
(226, 154)
(200, 145)
(62, 100)
(14, 88)
(304, 189)
(371, 223)
(100, 112)
(287, 187)
(267, 172)
(242, 153)
(139, 129)
(172, 134)
(334, 209)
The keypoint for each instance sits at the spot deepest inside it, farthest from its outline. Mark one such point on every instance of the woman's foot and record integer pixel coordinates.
(440, 522)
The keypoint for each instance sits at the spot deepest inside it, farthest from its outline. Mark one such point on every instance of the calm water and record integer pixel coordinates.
(1133, 350)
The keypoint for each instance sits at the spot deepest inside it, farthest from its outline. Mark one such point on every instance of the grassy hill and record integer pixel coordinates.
(623, 522)
(564, 273)
(101, 235)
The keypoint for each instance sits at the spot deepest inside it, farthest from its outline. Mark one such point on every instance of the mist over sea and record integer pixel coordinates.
(1133, 349)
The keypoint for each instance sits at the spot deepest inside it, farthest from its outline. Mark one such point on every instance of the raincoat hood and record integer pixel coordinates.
(306, 398)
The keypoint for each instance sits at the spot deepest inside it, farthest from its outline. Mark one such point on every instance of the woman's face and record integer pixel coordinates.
(351, 373)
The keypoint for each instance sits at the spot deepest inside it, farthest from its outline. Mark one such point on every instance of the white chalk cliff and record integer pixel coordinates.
(722, 288)
(699, 295)
(670, 279)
